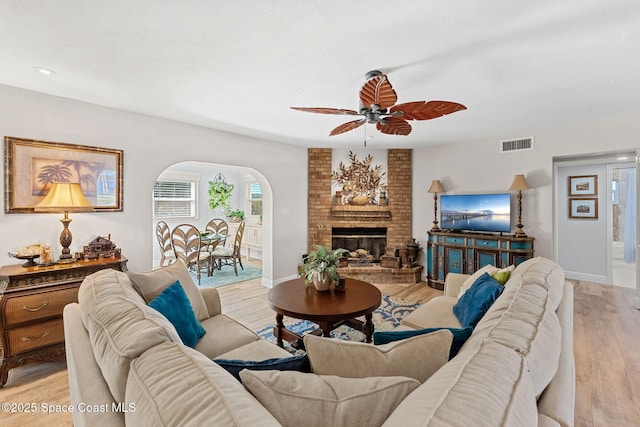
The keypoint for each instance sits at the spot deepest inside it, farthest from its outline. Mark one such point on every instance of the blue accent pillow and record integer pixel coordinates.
(460, 336)
(174, 304)
(477, 300)
(293, 363)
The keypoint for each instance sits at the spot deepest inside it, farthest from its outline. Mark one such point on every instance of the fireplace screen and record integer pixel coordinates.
(365, 244)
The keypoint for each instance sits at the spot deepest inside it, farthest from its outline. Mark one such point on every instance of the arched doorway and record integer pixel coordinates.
(193, 208)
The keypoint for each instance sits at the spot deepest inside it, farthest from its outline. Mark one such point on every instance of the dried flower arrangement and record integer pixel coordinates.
(360, 180)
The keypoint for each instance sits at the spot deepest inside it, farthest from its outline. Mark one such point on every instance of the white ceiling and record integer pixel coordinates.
(518, 66)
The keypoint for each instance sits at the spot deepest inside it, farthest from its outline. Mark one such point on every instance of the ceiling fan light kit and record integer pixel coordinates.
(378, 105)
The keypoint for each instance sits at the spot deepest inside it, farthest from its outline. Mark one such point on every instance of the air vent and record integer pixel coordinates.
(516, 145)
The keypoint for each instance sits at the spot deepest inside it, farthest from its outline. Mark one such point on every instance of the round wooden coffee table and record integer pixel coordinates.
(328, 309)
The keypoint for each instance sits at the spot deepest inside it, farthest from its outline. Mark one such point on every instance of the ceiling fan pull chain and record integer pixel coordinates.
(365, 134)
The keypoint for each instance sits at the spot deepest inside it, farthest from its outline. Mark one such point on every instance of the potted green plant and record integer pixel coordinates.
(236, 215)
(219, 192)
(321, 267)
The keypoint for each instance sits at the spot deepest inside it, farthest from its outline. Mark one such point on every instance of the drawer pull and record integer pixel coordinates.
(25, 308)
(35, 339)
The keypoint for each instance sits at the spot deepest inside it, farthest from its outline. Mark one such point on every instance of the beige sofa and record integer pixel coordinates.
(127, 366)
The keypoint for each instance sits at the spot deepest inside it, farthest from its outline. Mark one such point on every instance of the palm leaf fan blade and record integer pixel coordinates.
(421, 110)
(378, 91)
(394, 126)
(345, 127)
(323, 110)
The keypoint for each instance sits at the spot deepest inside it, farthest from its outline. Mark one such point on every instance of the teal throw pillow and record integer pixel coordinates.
(293, 363)
(174, 304)
(477, 300)
(460, 336)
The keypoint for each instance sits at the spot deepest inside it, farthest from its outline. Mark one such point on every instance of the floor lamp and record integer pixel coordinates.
(519, 183)
(64, 197)
(435, 188)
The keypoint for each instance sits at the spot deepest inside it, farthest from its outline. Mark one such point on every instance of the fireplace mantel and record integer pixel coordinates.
(360, 212)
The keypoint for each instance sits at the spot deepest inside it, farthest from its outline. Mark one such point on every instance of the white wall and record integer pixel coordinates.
(150, 146)
(478, 166)
(582, 243)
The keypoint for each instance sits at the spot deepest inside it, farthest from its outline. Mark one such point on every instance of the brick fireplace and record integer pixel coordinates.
(395, 217)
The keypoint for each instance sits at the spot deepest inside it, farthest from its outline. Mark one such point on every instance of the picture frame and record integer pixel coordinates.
(583, 185)
(583, 208)
(32, 165)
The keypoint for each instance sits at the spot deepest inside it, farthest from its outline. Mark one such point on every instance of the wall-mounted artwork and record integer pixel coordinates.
(585, 185)
(32, 166)
(583, 208)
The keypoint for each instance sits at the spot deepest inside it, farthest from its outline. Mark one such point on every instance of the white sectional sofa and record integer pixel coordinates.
(516, 369)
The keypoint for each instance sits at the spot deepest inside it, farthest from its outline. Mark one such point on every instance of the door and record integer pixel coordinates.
(623, 224)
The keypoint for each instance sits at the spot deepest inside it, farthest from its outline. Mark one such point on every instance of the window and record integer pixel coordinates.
(254, 200)
(174, 199)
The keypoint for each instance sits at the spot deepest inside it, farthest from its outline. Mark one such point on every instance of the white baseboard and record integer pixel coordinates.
(595, 278)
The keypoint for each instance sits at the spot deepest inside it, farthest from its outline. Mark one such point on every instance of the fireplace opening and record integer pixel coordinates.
(365, 243)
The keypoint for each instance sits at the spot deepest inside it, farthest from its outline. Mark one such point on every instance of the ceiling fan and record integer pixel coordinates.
(377, 99)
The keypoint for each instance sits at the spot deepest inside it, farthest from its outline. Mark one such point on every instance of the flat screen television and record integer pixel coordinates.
(476, 212)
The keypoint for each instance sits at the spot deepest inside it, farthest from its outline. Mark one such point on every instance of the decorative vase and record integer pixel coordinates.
(412, 250)
(322, 285)
(360, 200)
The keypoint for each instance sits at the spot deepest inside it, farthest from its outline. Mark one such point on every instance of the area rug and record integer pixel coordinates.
(385, 318)
(226, 276)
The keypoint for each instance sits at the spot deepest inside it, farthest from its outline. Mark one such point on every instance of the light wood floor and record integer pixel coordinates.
(606, 347)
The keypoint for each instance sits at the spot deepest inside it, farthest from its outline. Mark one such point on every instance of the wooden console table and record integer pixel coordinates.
(465, 253)
(31, 304)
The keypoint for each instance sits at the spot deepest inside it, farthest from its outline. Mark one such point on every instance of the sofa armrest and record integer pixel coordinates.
(453, 282)
(86, 384)
(212, 301)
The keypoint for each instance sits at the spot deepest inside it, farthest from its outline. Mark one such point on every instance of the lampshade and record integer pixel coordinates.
(436, 187)
(64, 197)
(519, 183)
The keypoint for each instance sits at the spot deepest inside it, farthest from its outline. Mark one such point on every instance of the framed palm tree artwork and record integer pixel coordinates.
(31, 167)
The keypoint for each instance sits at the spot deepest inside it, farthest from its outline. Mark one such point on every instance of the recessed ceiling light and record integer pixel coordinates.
(45, 71)
(622, 158)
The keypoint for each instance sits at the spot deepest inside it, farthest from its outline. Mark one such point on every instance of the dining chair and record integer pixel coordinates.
(227, 256)
(187, 246)
(164, 240)
(219, 226)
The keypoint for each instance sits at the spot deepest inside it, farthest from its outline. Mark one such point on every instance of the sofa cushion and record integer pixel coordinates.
(293, 363)
(223, 335)
(172, 383)
(524, 318)
(102, 286)
(477, 300)
(435, 313)
(543, 272)
(152, 283)
(417, 357)
(485, 385)
(174, 304)
(460, 336)
(121, 330)
(260, 349)
(296, 399)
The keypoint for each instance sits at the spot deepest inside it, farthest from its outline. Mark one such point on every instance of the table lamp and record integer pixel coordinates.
(519, 183)
(64, 197)
(435, 188)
